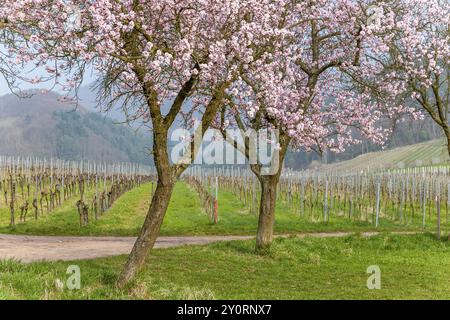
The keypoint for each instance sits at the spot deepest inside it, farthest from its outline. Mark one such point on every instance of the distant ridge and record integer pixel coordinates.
(44, 126)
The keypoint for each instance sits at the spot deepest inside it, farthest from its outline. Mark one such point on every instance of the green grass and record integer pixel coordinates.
(412, 267)
(185, 216)
(64, 220)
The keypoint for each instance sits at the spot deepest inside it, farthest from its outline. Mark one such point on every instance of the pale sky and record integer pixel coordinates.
(88, 78)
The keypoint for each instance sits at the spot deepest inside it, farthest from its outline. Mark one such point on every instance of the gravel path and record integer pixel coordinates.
(49, 248)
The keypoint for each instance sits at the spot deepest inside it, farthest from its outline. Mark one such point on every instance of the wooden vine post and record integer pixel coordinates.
(438, 209)
(378, 204)
(216, 202)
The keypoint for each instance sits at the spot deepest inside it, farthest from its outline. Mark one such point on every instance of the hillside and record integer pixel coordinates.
(88, 97)
(405, 133)
(422, 154)
(42, 126)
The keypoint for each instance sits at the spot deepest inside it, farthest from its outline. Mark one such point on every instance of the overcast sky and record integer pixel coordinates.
(88, 78)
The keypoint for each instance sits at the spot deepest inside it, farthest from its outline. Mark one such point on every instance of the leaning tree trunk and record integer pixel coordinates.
(267, 204)
(149, 232)
(157, 210)
(167, 173)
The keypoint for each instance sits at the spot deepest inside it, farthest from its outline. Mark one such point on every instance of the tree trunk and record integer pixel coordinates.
(266, 221)
(149, 232)
(167, 173)
(447, 135)
(269, 184)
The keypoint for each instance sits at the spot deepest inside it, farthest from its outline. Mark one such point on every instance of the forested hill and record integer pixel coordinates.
(43, 126)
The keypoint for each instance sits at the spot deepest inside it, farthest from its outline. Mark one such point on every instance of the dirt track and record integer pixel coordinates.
(37, 248)
(49, 248)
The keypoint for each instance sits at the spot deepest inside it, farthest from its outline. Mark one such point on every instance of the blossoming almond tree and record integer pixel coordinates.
(9, 71)
(302, 91)
(147, 52)
(413, 37)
